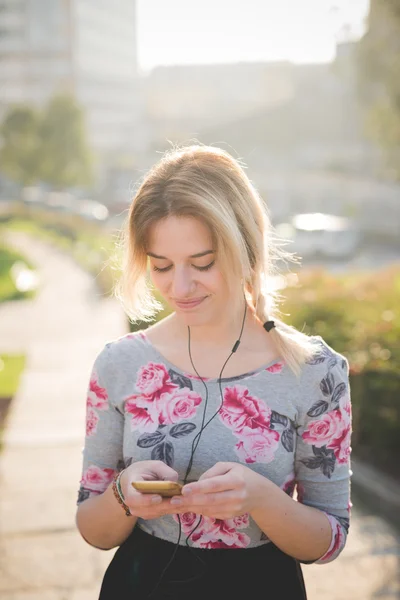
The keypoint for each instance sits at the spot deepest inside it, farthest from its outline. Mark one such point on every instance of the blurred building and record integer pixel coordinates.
(183, 100)
(85, 47)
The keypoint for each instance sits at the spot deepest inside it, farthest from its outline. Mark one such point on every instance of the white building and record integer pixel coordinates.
(87, 47)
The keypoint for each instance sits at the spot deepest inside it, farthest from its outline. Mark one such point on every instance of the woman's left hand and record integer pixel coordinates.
(225, 491)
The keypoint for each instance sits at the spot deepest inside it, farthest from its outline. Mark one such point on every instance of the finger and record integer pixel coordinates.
(197, 502)
(148, 503)
(160, 470)
(220, 468)
(206, 486)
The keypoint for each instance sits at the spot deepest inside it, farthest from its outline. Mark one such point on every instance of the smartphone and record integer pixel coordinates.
(162, 488)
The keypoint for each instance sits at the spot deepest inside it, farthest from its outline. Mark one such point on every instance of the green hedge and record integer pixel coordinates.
(11, 369)
(86, 241)
(358, 315)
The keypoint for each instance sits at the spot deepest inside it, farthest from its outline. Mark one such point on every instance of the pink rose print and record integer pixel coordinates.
(240, 522)
(216, 533)
(96, 479)
(189, 521)
(240, 410)
(145, 415)
(154, 379)
(97, 395)
(321, 431)
(256, 446)
(333, 430)
(341, 445)
(289, 484)
(91, 421)
(276, 368)
(337, 543)
(347, 407)
(179, 405)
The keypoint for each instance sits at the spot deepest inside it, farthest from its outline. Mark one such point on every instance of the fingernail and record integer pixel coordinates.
(156, 499)
(176, 501)
(186, 490)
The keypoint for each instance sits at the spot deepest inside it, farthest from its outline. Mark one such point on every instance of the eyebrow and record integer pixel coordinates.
(199, 255)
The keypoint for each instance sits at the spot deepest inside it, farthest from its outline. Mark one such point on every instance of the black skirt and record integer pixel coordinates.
(137, 572)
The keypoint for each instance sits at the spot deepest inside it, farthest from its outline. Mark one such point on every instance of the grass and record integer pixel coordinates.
(11, 369)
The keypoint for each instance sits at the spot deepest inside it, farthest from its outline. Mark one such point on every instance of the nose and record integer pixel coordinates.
(182, 283)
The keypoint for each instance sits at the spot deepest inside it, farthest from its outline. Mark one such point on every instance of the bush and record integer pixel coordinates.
(357, 314)
(88, 243)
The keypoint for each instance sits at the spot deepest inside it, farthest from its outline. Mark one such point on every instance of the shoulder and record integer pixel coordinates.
(324, 367)
(324, 376)
(122, 352)
(325, 357)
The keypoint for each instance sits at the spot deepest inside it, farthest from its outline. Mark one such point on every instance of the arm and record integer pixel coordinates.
(298, 530)
(102, 522)
(322, 458)
(99, 518)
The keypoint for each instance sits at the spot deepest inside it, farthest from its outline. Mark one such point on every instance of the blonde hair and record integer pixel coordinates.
(207, 183)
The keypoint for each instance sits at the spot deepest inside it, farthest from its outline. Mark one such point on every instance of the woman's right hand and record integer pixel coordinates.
(147, 506)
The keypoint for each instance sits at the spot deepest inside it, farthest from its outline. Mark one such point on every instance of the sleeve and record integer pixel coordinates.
(103, 446)
(322, 459)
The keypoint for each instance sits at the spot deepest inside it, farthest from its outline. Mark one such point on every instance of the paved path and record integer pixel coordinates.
(42, 556)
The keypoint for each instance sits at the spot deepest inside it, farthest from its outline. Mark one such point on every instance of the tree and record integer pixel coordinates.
(19, 155)
(379, 77)
(48, 146)
(65, 156)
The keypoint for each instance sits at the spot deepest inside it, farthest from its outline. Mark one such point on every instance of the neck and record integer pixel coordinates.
(223, 333)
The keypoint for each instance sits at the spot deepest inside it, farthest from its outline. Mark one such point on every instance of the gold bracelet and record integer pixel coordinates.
(116, 486)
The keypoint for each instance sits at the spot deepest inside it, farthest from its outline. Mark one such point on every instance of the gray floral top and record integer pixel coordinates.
(293, 430)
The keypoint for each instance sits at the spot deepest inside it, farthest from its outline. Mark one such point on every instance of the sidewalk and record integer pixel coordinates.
(42, 556)
(41, 553)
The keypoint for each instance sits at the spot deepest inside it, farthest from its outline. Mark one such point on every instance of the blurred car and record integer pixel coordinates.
(321, 234)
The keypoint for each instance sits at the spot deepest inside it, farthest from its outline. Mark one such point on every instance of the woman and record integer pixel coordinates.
(220, 396)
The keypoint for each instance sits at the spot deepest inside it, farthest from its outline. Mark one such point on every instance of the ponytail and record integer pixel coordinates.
(293, 346)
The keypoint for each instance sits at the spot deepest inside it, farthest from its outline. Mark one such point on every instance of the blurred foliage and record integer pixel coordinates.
(379, 81)
(65, 156)
(48, 146)
(358, 315)
(19, 155)
(8, 290)
(11, 367)
(89, 244)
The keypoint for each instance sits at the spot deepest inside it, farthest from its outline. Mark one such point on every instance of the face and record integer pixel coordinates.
(185, 271)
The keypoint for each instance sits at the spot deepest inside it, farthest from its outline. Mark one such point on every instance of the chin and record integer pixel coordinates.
(193, 320)
(196, 318)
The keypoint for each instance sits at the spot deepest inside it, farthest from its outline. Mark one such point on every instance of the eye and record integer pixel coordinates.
(163, 270)
(206, 268)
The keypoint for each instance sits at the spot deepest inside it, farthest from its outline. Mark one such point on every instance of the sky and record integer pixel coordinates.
(220, 31)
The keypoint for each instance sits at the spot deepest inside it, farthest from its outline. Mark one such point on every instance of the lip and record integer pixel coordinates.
(187, 305)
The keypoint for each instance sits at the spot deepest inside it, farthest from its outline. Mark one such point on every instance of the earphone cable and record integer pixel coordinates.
(196, 439)
(195, 444)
